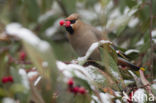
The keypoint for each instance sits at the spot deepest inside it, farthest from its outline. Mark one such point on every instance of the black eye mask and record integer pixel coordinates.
(72, 21)
(70, 29)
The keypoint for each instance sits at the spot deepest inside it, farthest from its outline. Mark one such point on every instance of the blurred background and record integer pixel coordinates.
(127, 22)
(130, 24)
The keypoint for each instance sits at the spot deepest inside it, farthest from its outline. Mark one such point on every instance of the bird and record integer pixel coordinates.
(82, 35)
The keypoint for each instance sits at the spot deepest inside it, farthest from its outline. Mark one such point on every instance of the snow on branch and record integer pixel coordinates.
(93, 47)
(15, 29)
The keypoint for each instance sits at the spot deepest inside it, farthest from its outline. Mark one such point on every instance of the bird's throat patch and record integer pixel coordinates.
(70, 30)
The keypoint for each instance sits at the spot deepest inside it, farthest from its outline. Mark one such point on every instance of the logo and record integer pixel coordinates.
(138, 96)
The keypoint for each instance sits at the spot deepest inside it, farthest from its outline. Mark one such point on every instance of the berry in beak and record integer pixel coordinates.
(61, 22)
(67, 24)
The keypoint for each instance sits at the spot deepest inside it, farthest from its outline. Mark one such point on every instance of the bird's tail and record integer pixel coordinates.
(133, 67)
(122, 60)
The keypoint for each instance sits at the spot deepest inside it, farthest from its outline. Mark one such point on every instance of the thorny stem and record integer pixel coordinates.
(151, 43)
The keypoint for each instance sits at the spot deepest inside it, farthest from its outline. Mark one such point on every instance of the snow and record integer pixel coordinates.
(115, 74)
(8, 100)
(15, 29)
(116, 13)
(93, 47)
(154, 33)
(131, 51)
(43, 46)
(133, 22)
(113, 24)
(140, 96)
(97, 8)
(106, 98)
(45, 16)
(128, 81)
(53, 29)
(37, 80)
(117, 94)
(154, 85)
(129, 12)
(109, 6)
(118, 101)
(63, 67)
(95, 98)
(73, 68)
(141, 42)
(91, 15)
(86, 73)
(95, 76)
(54, 9)
(32, 74)
(45, 64)
(154, 40)
(24, 78)
(117, 20)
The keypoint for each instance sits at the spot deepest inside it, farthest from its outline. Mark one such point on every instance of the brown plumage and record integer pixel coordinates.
(82, 35)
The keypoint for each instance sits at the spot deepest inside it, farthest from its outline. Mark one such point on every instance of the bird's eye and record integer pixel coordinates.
(72, 21)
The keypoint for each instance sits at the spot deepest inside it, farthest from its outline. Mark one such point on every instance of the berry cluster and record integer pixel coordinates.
(75, 89)
(65, 23)
(7, 79)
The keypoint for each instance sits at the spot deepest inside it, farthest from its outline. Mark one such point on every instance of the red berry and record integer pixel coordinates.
(7, 79)
(67, 23)
(82, 90)
(75, 89)
(4, 80)
(22, 55)
(61, 22)
(70, 82)
(10, 79)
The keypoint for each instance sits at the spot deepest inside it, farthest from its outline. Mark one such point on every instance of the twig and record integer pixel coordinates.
(145, 82)
(62, 7)
(144, 86)
(151, 44)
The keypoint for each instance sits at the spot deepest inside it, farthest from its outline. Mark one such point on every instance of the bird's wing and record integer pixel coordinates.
(124, 62)
(97, 33)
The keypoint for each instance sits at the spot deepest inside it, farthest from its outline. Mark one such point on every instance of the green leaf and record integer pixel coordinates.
(3, 92)
(110, 63)
(17, 88)
(49, 22)
(83, 83)
(46, 64)
(104, 2)
(3, 64)
(131, 3)
(70, 5)
(32, 9)
(46, 5)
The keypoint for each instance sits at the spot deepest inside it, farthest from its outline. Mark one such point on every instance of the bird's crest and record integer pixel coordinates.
(73, 16)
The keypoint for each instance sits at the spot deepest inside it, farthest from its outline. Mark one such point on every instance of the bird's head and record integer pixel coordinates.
(69, 22)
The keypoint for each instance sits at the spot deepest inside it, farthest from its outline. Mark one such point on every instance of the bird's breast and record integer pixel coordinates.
(81, 41)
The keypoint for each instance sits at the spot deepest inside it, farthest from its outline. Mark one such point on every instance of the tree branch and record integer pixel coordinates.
(151, 43)
(62, 7)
